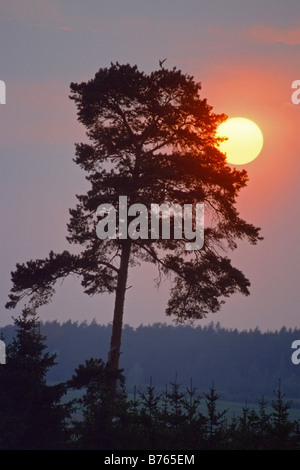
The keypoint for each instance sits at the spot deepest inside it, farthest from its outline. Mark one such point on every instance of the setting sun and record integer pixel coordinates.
(245, 140)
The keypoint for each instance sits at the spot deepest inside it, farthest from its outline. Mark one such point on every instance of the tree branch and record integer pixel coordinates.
(159, 261)
(123, 117)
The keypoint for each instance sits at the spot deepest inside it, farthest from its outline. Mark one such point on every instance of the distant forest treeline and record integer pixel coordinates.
(243, 365)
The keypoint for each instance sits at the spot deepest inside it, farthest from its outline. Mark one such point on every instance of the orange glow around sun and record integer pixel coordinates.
(245, 140)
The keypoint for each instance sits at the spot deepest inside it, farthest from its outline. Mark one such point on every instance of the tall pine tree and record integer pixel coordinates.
(153, 140)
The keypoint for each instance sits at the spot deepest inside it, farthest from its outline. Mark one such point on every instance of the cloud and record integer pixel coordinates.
(31, 10)
(271, 35)
(44, 14)
(41, 14)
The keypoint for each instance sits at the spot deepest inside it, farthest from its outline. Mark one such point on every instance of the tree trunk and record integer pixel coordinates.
(115, 342)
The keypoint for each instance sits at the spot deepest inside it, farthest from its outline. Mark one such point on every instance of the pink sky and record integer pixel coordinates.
(246, 54)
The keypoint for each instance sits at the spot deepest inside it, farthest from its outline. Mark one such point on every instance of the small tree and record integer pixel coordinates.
(191, 404)
(175, 405)
(215, 419)
(282, 427)
(152, 139)
(264, 426)
(150, 417)
(194, 424)
(98, 422)
(31, 413)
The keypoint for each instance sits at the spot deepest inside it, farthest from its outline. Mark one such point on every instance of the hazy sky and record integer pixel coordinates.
(245, 54)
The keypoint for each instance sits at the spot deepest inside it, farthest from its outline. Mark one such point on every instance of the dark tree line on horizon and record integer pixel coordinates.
(243, 364)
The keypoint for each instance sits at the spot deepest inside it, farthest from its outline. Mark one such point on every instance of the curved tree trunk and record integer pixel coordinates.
(115, 342)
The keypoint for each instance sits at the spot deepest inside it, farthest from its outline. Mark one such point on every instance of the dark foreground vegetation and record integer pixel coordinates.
(173, 420)
(78, 413)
